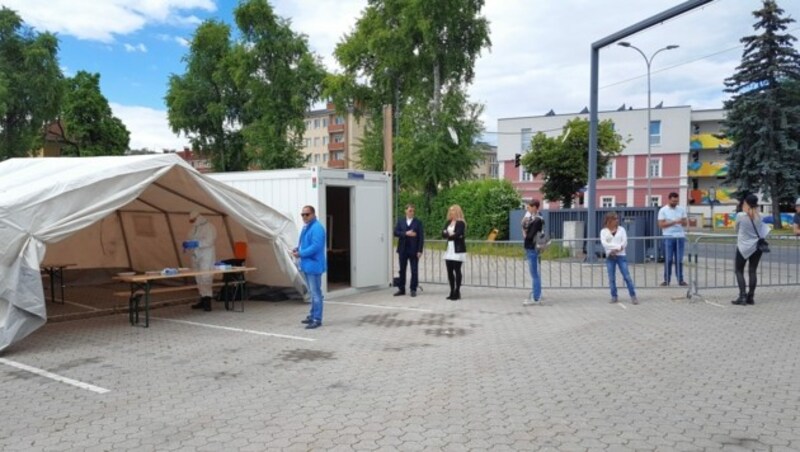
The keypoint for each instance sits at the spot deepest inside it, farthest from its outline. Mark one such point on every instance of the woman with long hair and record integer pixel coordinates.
(455, 231)
(749, 228)
(615, 240)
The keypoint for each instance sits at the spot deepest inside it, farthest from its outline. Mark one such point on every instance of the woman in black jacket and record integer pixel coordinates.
(455, 231)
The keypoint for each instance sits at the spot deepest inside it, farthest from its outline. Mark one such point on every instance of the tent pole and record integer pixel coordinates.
(169, 226)
(125, 239)
(230, 236)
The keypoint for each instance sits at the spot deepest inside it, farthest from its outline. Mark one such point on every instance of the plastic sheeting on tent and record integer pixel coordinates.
(121, 212)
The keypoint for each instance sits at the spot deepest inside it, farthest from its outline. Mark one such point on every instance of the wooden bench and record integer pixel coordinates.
(157, 290)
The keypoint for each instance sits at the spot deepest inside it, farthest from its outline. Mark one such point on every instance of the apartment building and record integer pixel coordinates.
(684, 156)
(487, 166)
(332, 140)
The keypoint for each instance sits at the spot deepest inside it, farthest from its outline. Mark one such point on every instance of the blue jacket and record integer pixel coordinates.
(311, 249)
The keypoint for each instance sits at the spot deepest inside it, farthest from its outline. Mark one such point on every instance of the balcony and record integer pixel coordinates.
(337, 164)
(707, 169)
(709, 141)
(335, 146)
(335, 128)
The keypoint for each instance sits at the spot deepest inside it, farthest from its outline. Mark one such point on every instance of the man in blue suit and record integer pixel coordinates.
(410, 239)
(311, 252)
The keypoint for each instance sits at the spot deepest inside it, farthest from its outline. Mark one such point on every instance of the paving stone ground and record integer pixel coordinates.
(424, 373)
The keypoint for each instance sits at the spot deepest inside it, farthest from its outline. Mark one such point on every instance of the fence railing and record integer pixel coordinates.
(713, 256)
(708, 264)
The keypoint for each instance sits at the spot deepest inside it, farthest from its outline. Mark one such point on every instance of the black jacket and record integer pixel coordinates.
(457, 238)
(409, 245)
(532, 228)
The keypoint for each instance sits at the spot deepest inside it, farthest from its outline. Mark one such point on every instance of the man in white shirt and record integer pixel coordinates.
(672, 220)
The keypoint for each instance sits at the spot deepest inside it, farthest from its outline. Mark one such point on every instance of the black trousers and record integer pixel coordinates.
(405, 259)
(751, 272)
(454, 275)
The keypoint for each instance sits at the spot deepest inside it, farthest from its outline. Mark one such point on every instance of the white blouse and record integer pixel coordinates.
(614, 242)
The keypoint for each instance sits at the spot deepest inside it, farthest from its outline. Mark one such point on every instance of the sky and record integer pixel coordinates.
(539, 59)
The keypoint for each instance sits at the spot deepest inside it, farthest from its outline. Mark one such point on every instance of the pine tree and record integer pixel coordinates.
(762, 120)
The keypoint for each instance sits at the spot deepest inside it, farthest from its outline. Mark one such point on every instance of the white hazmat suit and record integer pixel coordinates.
(204, 256)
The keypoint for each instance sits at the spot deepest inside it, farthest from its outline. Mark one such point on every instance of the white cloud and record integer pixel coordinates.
(148, 127)
(135, 48)
(102, 20)
(182, 41)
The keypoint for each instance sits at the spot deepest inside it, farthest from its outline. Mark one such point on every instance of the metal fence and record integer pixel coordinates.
(708, 264)
(712, 259)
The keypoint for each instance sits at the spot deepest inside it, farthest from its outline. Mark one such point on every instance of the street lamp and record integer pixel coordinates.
(648, 61)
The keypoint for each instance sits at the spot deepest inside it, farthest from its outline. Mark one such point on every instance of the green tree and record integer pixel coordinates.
(564, 160)
(90, 128)
(30, 85)
(418, 56)
(428, 157)
(282, 80)
(763, 118)
(243, 102)
(205, 103)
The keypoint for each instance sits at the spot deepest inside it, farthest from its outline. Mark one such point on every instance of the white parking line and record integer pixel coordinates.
(91, 308)
(622, 306)
(237, 330)
(53, 376)
(378, 306)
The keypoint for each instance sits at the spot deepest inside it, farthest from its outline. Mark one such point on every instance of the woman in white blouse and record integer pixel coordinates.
(455, 233)
(615, 240)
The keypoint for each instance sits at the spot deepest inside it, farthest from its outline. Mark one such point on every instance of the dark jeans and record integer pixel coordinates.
(405, 259)
(751, 272)
(454, 275)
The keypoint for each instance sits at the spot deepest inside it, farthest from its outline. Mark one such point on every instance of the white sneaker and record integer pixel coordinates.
(528, 302)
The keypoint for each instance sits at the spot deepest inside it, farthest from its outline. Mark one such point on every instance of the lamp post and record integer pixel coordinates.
(648, 61)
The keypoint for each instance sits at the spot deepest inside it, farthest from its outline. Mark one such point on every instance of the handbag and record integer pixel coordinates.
(762, 244)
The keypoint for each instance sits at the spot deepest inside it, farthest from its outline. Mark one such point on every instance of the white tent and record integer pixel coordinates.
(121, 212)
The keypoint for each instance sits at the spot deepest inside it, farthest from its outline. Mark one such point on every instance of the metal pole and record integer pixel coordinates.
(592, 187)
(647, 135)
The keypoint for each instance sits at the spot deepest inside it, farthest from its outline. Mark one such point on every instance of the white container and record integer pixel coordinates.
(354, 206)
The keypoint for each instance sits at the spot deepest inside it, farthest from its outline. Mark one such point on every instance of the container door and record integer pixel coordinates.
(370, 240)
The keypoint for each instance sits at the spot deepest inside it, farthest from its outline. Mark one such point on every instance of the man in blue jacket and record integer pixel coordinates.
(410, 239)
(311, 252)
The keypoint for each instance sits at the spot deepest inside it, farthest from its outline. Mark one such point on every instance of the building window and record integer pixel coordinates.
(308, 142)
(316, 123)
(338, 155)
(655, 133)
(316, 141)
(525, 176)
(339, 120)
(525, 140)
(316, 158)
(338, 138)
(611, 170)
(654, 168)
(655, 200)
(324, 122)
(324, 141)
(606, 201)
(325, 157)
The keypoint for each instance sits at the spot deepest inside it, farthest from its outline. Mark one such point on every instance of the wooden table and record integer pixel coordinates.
(140, 287)
(56, 271)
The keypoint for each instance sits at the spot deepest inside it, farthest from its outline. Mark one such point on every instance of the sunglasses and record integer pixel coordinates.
(305, 214)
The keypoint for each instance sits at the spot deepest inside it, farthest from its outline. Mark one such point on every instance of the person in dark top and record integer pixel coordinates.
(532, 227)
(410, 240)
(455, 232)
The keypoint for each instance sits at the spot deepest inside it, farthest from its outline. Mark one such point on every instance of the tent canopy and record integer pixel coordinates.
(121, 212)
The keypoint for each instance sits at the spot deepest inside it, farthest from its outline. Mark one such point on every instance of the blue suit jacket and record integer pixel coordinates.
(312, 249)
(409, 245)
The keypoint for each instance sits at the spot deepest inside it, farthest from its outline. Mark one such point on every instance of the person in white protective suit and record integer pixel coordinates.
(203, 256)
